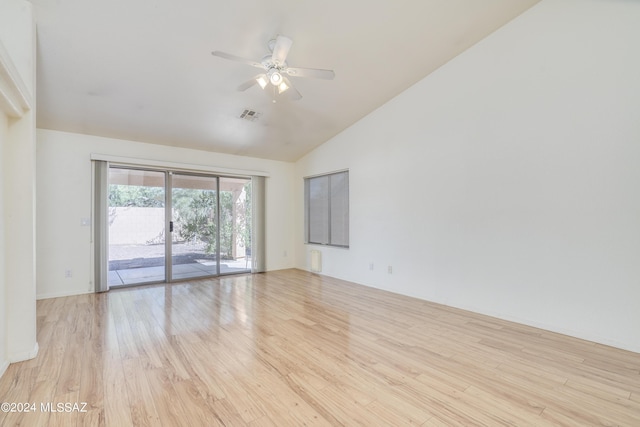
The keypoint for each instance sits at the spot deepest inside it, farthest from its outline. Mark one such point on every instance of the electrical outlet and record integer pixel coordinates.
(67, 273)
(390, 270)
(371, 266)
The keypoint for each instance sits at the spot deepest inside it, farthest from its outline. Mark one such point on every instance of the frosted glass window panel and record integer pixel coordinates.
(319, 210)
(339, 209)
(327, 209)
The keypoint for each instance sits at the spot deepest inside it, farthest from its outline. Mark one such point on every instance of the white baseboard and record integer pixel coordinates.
(25, 355)
(61, 294)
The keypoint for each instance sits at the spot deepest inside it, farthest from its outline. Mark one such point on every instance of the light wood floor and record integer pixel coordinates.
(290, 348)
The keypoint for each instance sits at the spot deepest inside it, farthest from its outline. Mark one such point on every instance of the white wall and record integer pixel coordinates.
(17, 32)
(507, 181)
(17, 183)
(64, 198)
(4, 361)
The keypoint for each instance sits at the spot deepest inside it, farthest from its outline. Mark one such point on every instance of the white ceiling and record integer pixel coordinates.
(142, 70)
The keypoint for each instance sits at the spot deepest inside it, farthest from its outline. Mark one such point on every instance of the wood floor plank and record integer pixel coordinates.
(281, 404)
(169, 406)
(70, 374)
(43, 391)
(50, 356)
(116, 398)
(62, 412)
(228, 414)
(197, 411)
(294, 348)
(331, 404)
(141, 398)
(18, 393)
(206, 379)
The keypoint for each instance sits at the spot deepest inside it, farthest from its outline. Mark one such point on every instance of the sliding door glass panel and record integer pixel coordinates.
(194, 240)
(209, 222)
(235, 225)
(136, 226)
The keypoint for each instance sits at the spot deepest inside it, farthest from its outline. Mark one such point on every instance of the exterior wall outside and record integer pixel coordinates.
(135, 226)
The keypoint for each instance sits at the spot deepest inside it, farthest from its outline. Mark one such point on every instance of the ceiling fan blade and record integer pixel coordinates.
(314, 73)
(291, 91)
(253, 81)
(237, 58)
(281, 49)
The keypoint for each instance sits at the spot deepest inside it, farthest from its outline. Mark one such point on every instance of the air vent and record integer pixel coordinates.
(250, 115)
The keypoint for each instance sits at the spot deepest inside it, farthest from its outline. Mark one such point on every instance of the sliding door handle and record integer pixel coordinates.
(170, 226)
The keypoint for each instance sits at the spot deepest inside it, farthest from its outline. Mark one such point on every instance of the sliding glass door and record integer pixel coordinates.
(136, 227)
(167, 226)
(235, 225)
(194, 224)
(211, 225)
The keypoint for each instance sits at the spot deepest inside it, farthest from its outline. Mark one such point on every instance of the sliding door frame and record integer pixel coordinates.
(169, 221)
(168, 218)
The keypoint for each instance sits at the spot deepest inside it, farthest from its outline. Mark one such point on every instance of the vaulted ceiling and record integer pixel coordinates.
(143, 70)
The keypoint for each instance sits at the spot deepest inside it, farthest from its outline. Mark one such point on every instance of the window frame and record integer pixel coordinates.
(330, 214)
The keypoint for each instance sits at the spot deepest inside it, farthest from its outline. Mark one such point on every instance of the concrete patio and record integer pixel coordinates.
(137, 264)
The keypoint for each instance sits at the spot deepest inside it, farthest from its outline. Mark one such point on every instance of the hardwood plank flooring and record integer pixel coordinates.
(290, 348)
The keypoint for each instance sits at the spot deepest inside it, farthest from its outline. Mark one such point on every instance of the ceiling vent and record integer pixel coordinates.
(250, 115)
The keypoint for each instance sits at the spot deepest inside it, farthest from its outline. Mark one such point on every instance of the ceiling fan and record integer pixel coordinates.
(276, 69)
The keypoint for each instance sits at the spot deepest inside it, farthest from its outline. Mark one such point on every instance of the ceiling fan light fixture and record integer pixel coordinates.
(282, 87)
(262, 81)
(275, 77)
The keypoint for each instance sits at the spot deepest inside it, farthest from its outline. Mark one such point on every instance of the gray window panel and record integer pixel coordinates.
(319, 210)
(327, 209)
(339, 202)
